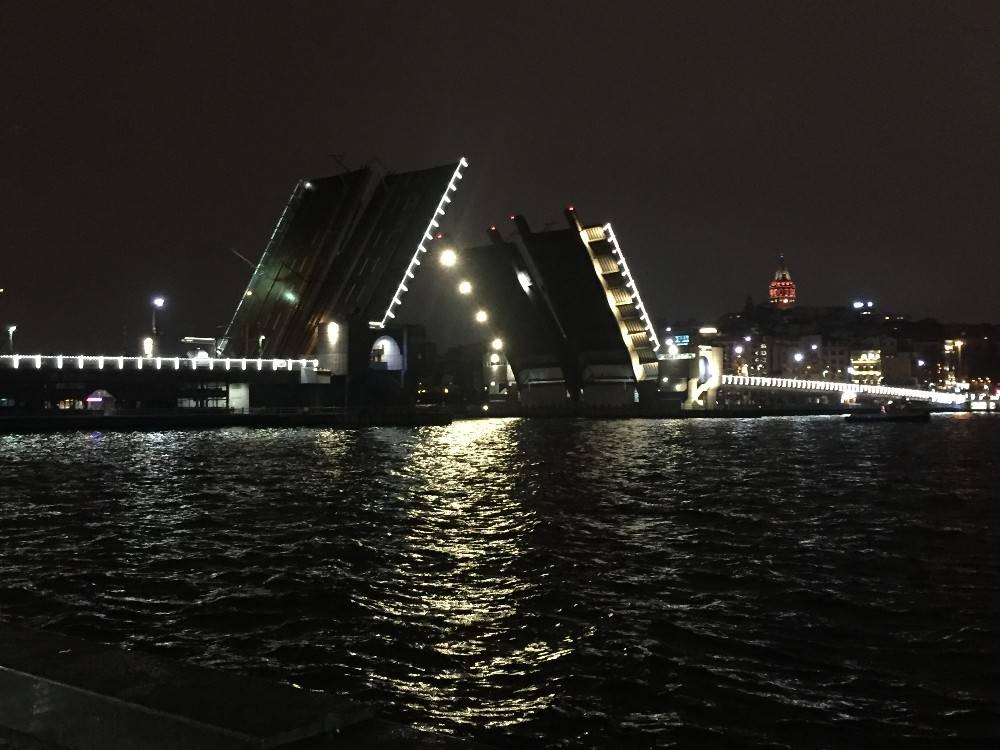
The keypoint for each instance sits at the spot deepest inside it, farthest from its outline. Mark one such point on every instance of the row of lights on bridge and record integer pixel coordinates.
(449, 259)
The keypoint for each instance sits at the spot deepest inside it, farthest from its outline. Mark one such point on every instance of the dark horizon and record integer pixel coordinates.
(143, 144)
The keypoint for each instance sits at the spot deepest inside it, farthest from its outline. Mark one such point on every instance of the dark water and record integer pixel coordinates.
(797, 582)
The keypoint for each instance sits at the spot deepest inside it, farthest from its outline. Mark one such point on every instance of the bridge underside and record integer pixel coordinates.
(575, 328)
(532, 342)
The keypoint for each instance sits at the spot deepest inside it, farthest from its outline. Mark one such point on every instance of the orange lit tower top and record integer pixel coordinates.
(781, 291)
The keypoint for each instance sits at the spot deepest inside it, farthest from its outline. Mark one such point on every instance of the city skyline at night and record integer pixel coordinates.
(524, 375)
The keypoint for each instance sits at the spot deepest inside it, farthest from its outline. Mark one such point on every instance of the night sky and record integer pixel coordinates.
(140, 144)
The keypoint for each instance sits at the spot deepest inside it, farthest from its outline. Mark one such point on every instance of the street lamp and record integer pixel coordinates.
(10, 337)
(158, 303)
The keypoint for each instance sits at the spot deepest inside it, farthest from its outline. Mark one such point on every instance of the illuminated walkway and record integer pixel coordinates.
(752, 382)
(101, 362)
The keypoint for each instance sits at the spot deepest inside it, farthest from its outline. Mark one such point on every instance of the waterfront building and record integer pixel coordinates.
(856, 343)
(950, 362)
(61, 383)
(897, 368)
(835, 360)
(913, 353)
(866, 366)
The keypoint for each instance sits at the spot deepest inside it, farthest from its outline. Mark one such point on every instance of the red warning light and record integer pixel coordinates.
(438, 236)
(493, 227)
(570, 209)
(513, 216)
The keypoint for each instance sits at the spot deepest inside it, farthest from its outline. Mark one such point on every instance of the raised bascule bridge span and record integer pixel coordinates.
(557, 315)
(558, 311)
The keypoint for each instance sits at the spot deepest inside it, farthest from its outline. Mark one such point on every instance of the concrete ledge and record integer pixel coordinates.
(11, 740)
(85, 696)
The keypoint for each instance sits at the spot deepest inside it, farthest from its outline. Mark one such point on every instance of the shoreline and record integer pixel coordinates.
(359, 419)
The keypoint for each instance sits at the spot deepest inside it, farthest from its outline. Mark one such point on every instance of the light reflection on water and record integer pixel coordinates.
(542, 583)
(471, 535)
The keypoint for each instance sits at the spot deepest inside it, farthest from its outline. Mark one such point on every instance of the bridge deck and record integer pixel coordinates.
(827, 386)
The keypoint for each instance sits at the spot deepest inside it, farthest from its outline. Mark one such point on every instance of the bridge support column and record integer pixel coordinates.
(704, 379)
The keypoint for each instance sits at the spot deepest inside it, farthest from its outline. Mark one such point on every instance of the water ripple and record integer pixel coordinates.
(568, 583)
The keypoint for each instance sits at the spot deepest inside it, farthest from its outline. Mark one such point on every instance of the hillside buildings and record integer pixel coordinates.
(855, 343)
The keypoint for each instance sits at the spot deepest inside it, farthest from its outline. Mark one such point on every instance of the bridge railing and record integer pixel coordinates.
(828, 386)
(101, 362)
